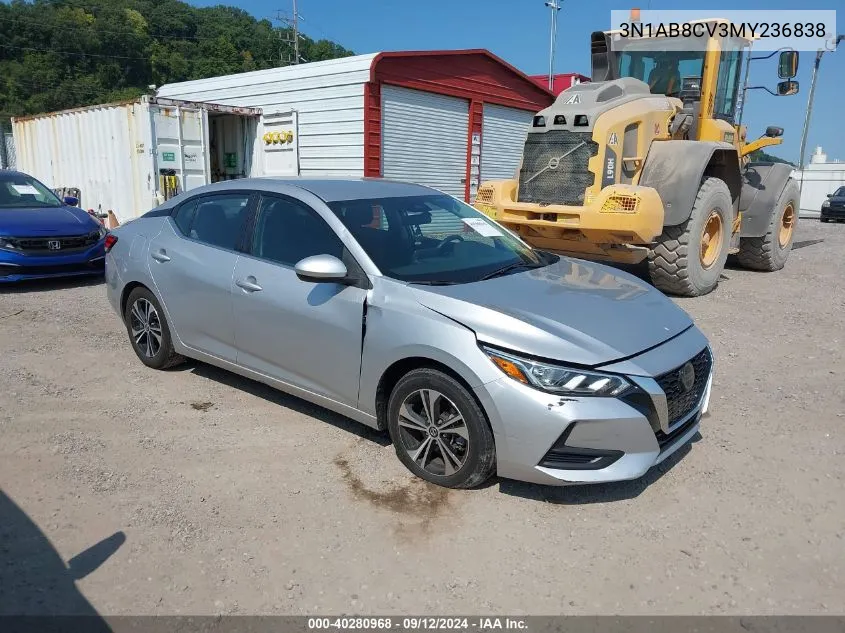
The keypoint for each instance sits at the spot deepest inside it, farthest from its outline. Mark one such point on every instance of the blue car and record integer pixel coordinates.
(43, 236)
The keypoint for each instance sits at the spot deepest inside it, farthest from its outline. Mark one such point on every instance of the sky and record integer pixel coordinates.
(518, 31)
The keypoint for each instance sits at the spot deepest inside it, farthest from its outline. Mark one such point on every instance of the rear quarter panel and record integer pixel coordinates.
(127, 263)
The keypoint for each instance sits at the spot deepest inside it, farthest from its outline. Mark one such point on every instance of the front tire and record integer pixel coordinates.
(439, 431)
(689, 258)
(770, 252)
(148, 330)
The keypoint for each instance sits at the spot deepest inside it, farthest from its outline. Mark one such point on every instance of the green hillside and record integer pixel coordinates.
(57, 54)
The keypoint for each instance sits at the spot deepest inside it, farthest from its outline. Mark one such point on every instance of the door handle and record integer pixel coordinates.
(160, 255)
(248, 284)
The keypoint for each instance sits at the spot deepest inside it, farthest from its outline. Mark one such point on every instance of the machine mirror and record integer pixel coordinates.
(774, 132)
(788, 65)
(786, 88)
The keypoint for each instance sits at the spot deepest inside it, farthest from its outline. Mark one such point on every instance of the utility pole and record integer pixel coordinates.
(292, 24)
(295, 34)
(806, 130)
(554, 5)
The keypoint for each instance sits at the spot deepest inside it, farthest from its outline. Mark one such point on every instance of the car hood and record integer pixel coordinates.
(573, 311)
(39, 221)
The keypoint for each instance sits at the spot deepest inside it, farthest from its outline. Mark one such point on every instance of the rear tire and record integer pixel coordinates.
(439, 431)
(148, 331)
(686, 261)
(770, 252)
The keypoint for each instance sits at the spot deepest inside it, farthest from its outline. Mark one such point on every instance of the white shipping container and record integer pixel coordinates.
(127, 156)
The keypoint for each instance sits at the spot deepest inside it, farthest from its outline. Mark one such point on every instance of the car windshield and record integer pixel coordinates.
(840, 193)
(434, 239)
(19, 190)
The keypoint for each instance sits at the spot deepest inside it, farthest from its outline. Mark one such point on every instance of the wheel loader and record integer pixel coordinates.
(647, 163)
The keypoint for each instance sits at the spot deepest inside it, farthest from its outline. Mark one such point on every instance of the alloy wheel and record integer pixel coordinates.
(145, 327)
(433, 433)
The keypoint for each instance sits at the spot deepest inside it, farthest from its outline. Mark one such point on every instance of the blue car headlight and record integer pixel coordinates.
(557, 379)
(8, 244)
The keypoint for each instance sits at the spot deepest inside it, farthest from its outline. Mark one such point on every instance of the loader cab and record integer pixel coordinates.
(703, 72)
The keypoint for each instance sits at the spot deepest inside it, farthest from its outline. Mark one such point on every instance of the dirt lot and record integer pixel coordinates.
(234, 498)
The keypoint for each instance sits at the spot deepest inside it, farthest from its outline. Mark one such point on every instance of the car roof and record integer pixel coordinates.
(328, 189)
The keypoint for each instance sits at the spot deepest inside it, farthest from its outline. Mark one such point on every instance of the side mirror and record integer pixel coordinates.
(774, 132)
(830, 195)
(787, 88)
(788, 64)
(321, 269)
(71, 201)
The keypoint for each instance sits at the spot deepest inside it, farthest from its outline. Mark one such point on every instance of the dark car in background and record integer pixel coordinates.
(44, 236)
(834, 207)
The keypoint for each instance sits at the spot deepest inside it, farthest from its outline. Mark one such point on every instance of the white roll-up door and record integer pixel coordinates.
(502, 141)
(424, 138)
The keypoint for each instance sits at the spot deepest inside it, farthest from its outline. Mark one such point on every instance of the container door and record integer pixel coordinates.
(280, 143)
(503, 135)
(179, 148)
(424, 139)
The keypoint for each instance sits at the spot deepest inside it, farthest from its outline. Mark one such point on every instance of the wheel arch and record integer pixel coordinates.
(394, 373)
(676, 168)
(124, 295)
(762, 186)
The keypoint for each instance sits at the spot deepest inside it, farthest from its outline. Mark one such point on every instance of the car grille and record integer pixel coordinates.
(665, 439)
(566, 183)
(680, 401)
(41, 245)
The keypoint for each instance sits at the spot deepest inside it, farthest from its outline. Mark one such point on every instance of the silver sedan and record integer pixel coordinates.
(409, 311)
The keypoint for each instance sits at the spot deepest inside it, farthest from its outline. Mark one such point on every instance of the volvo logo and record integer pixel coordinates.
(687, 376)
(554, 162)
(54, 245)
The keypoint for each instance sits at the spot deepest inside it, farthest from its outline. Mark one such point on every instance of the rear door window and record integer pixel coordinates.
(215, 220)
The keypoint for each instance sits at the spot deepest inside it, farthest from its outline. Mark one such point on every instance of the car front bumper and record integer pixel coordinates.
(541, 437)
(834, 213)
(19, 267)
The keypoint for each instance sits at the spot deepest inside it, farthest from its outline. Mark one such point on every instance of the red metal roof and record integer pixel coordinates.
(469, 73)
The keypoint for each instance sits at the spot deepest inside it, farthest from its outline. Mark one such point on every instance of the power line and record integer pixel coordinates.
(257, 61)
(51, 50)
(108, 31)
(96, 28)
(291, 24)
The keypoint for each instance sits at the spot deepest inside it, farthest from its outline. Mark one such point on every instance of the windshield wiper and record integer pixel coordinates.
(506, 269)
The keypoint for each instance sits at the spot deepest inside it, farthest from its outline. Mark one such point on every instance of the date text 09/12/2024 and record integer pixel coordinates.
(417, 624)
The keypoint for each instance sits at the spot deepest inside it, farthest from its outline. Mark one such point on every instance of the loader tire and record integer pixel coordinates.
(770, 252)
(688, 259)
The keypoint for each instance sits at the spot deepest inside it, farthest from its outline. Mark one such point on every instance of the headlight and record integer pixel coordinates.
(825, 204)
(558, 379)
(8, 243)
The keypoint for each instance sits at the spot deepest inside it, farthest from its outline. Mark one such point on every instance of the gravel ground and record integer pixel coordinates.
(221, 495)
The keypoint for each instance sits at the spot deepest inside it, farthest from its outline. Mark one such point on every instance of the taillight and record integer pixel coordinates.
(111, 240)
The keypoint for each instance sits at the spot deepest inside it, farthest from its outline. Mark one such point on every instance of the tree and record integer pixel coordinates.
(759, 156)
(57, 54)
